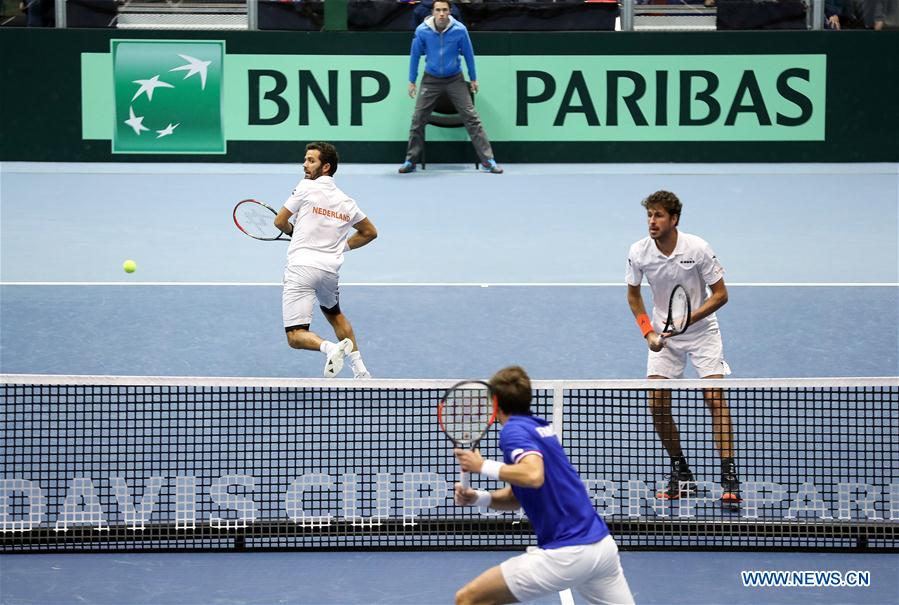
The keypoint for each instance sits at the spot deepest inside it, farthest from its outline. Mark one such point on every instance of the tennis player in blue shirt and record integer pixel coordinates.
(575, 549)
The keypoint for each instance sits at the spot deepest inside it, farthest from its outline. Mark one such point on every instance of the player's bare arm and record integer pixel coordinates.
(500, 499)
(365, 233)
(712, 303)
(638, 308)
(282, 221)
(528, 472)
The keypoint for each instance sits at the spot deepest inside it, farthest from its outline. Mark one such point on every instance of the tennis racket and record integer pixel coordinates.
(257, 220)
(679, 310)
(465, 413)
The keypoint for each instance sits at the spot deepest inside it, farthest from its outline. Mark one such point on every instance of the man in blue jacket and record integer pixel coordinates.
(575, 549)
(442, 40)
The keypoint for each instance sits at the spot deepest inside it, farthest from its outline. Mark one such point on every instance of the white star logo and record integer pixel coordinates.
(148, 86)
(168, 130)
(192, 67)
(135, 122)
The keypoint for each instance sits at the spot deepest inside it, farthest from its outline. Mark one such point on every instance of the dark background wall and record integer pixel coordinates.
(41, 94)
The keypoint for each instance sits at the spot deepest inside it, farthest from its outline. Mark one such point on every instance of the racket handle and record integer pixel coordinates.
(464, 479)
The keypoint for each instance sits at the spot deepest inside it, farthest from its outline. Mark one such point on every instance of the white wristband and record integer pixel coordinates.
(484, 498)
(490, 468)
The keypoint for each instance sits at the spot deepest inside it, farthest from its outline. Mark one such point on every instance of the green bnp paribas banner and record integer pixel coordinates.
(191, 96)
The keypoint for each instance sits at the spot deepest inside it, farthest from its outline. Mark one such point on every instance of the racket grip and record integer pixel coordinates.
(464, 479)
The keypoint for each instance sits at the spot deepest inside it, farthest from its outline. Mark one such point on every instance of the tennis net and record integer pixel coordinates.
(138, 463)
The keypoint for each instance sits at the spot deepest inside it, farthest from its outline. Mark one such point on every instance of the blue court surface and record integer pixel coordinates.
(810, 253)
(470, 272)
(409, 578)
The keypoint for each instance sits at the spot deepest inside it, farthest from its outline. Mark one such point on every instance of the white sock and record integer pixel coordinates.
(326, 346)
(356, 361)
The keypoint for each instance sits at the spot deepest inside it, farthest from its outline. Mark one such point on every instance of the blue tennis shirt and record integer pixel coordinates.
(560, 510)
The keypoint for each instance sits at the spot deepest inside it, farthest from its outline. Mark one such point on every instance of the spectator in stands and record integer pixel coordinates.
(832, 10)
(840, 14)
(423, 10)
(443, 40)
(38, 13)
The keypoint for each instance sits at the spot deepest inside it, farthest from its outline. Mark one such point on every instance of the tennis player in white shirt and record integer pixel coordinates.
(320, 234)
(668, 257)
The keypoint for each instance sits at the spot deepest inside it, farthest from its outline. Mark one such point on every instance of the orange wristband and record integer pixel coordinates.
(644, 324)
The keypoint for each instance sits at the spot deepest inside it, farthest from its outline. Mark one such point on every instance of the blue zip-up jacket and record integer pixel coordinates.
(441, 50)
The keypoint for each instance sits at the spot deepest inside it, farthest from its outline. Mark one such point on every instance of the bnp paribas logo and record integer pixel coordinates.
(168, 96)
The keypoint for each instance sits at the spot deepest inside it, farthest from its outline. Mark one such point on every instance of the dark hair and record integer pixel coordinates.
(666, 200)
(449, 3)
(327, 153)
(512, 388)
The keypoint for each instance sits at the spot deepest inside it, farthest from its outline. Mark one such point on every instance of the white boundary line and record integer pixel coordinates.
(448, 284)
(530, 169)
(557, 386)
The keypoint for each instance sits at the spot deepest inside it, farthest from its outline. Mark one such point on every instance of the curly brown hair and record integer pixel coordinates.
(666, 200)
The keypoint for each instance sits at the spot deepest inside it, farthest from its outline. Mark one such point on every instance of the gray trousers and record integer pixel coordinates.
(430, 90)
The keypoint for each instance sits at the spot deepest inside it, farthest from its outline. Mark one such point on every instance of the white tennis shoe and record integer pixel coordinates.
(334, 363)
(362, 374)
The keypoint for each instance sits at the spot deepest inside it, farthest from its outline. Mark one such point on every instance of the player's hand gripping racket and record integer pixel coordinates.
(679, 310)
(465, 414)
(257, 220)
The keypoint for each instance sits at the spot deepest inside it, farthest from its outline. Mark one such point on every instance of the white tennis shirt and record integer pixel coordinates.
(693, 264)
(324, 217)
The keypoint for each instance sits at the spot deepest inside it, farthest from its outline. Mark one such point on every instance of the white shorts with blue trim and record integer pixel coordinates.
(593, 570)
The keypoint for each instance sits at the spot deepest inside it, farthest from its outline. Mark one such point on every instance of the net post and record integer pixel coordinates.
(558, 408)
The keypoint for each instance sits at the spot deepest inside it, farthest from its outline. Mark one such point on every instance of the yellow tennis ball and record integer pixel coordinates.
(129, 266)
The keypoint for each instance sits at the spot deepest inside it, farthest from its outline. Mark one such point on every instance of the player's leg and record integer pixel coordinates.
(663, 419)
(489, 587)
(297, 302)
(301, 285)
(343, 329)
(669, 363)
(523, 578)
(723, 434)
(605, 582)
(708, 359)
(329, 299)
(300, 337)
(722, 429)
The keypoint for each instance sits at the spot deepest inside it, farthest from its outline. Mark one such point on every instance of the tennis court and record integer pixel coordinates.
(471, 272)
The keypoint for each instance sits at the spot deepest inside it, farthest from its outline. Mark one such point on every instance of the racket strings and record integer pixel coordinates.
(680, 310)
(256, 220)
(466, 414)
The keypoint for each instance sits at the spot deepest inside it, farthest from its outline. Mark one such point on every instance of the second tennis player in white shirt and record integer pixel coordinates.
(668, 257)
(320, 234)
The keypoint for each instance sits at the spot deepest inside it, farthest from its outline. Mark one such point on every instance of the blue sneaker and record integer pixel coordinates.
(407, 167)
(491, 167)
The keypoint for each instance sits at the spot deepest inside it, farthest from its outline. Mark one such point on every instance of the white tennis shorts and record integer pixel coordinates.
(593, 570)
(705, 350)
(302, 287)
